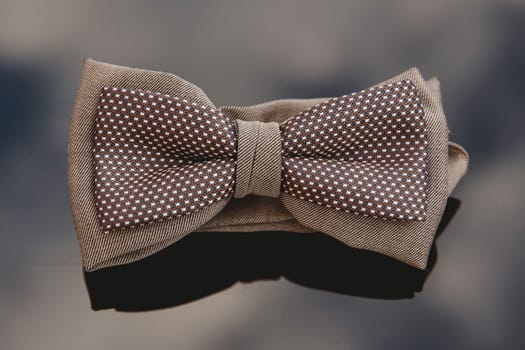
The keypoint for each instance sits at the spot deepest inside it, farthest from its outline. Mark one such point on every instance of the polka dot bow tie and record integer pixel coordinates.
(159, 156)
(165, 161)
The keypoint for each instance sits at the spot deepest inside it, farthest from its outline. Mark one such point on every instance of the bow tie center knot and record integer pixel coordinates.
(258, 169)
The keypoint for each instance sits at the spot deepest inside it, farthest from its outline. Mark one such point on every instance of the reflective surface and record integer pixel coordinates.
(244, 53)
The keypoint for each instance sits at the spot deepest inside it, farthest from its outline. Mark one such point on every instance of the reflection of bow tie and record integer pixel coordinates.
(158, 156)
(372, 168)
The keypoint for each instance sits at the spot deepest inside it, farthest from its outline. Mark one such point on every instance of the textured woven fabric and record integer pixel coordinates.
(407, 241)
(258, 160)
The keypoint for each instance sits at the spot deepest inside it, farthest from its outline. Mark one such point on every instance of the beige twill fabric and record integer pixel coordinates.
(406, 243)
(258, 169)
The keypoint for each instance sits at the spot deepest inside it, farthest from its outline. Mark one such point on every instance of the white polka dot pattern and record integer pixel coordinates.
(363, 153)
(158, 156)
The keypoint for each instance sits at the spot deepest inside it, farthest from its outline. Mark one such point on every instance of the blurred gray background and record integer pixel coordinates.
(246, 52)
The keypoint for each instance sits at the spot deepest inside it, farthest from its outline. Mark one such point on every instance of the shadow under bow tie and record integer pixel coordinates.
(204, 263)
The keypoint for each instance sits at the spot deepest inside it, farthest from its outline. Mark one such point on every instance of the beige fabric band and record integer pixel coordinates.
(407, 242)
(258, 168)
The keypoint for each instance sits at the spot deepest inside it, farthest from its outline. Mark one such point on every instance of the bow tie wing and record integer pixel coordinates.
(158, 157)
(363, 153)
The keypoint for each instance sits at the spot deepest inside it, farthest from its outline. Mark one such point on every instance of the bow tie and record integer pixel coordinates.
(160, 156)
(365, 168)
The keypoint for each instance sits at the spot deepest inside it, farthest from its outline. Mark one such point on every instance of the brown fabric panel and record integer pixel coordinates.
(406, 242)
